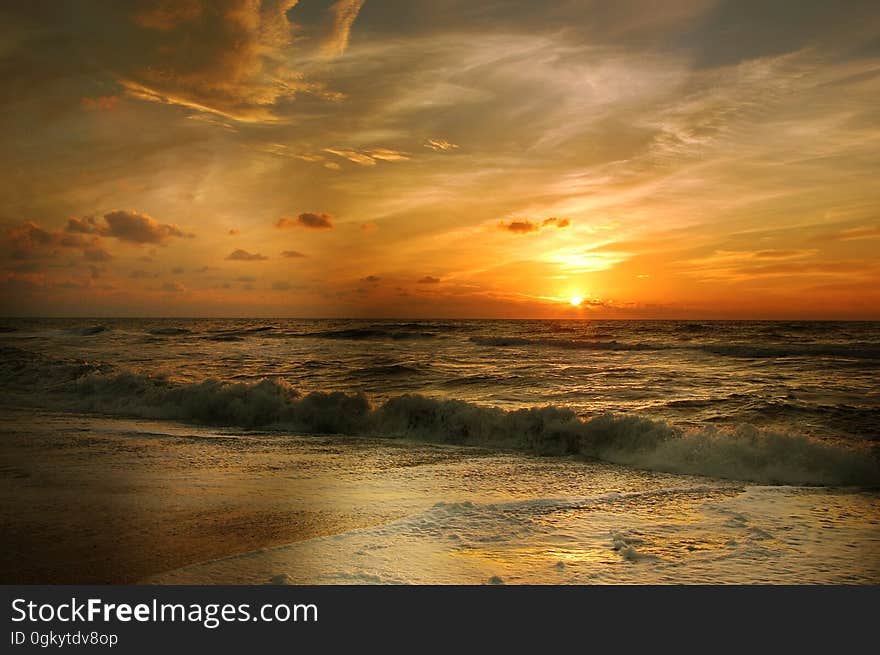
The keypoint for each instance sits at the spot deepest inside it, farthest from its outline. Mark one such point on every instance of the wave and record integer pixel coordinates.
(575, 344)
(381, 370)
(850, 350)
(861, 350)
(239, 335)
(369, 333)
(742, 453)
(170, 332)
(89, 331)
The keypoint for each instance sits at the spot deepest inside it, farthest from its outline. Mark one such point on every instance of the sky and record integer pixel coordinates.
(440, 158)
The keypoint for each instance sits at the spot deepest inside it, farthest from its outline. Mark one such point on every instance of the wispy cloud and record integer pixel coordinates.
(344, 13)
(440, 145)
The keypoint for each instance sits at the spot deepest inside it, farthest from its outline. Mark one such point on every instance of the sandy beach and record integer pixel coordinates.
(90, 499)
(108, 506)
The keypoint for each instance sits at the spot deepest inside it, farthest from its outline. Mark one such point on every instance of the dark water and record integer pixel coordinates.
(803, 392)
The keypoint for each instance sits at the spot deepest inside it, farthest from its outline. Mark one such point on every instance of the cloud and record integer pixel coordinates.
(525, 226)
(177, 270)
(370, 156)
(311, 220)
(853, 233)
(86, 225)
(240, 255)
(167, 15)
(233, 232)
(173, 287)
(292, 254)
(139, 228)
(97, 254)
(344, 13)
(441, 145)
(231, 58)
(519, 227)
(780, 254)
(369, 226)
(29, 240)
(131, 226)
(428, 279)
(371, 279)
(558, 222)
(386, 154)
(353, 156)
(280, 285)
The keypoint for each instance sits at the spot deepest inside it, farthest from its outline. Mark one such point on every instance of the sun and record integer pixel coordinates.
(575, 301)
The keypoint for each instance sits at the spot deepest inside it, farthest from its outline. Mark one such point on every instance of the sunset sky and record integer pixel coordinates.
(403, 158)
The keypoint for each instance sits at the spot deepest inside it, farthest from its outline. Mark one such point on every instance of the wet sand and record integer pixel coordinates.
(110, 506)
(89, 499)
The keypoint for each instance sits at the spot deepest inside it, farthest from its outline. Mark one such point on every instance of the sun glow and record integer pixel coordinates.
(576, 301)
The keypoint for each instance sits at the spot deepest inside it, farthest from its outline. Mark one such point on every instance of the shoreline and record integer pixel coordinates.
(98, 500)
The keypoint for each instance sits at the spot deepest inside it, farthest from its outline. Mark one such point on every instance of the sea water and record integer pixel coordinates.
(506, 451)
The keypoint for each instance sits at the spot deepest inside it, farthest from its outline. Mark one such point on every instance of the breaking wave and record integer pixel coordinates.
(742, 453)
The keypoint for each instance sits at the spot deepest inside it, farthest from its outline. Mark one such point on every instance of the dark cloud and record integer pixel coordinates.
(525, 226)
(292, 254)
(428, 279)
(233, 232)
(29, 240)
(315, 221)
(281, 285)
(240, 255)
(131, 226)
(228, 57)
(371, 279)
(173, 287)
(519, 227)
(177, 270)
(139, 228)
(85, 225)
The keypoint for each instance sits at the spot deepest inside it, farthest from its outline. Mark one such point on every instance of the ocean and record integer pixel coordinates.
(443, 451)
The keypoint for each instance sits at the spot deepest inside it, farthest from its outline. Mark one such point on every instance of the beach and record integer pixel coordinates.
(198, 453)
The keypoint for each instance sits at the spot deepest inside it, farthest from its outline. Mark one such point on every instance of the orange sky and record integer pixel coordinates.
(443, 158)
